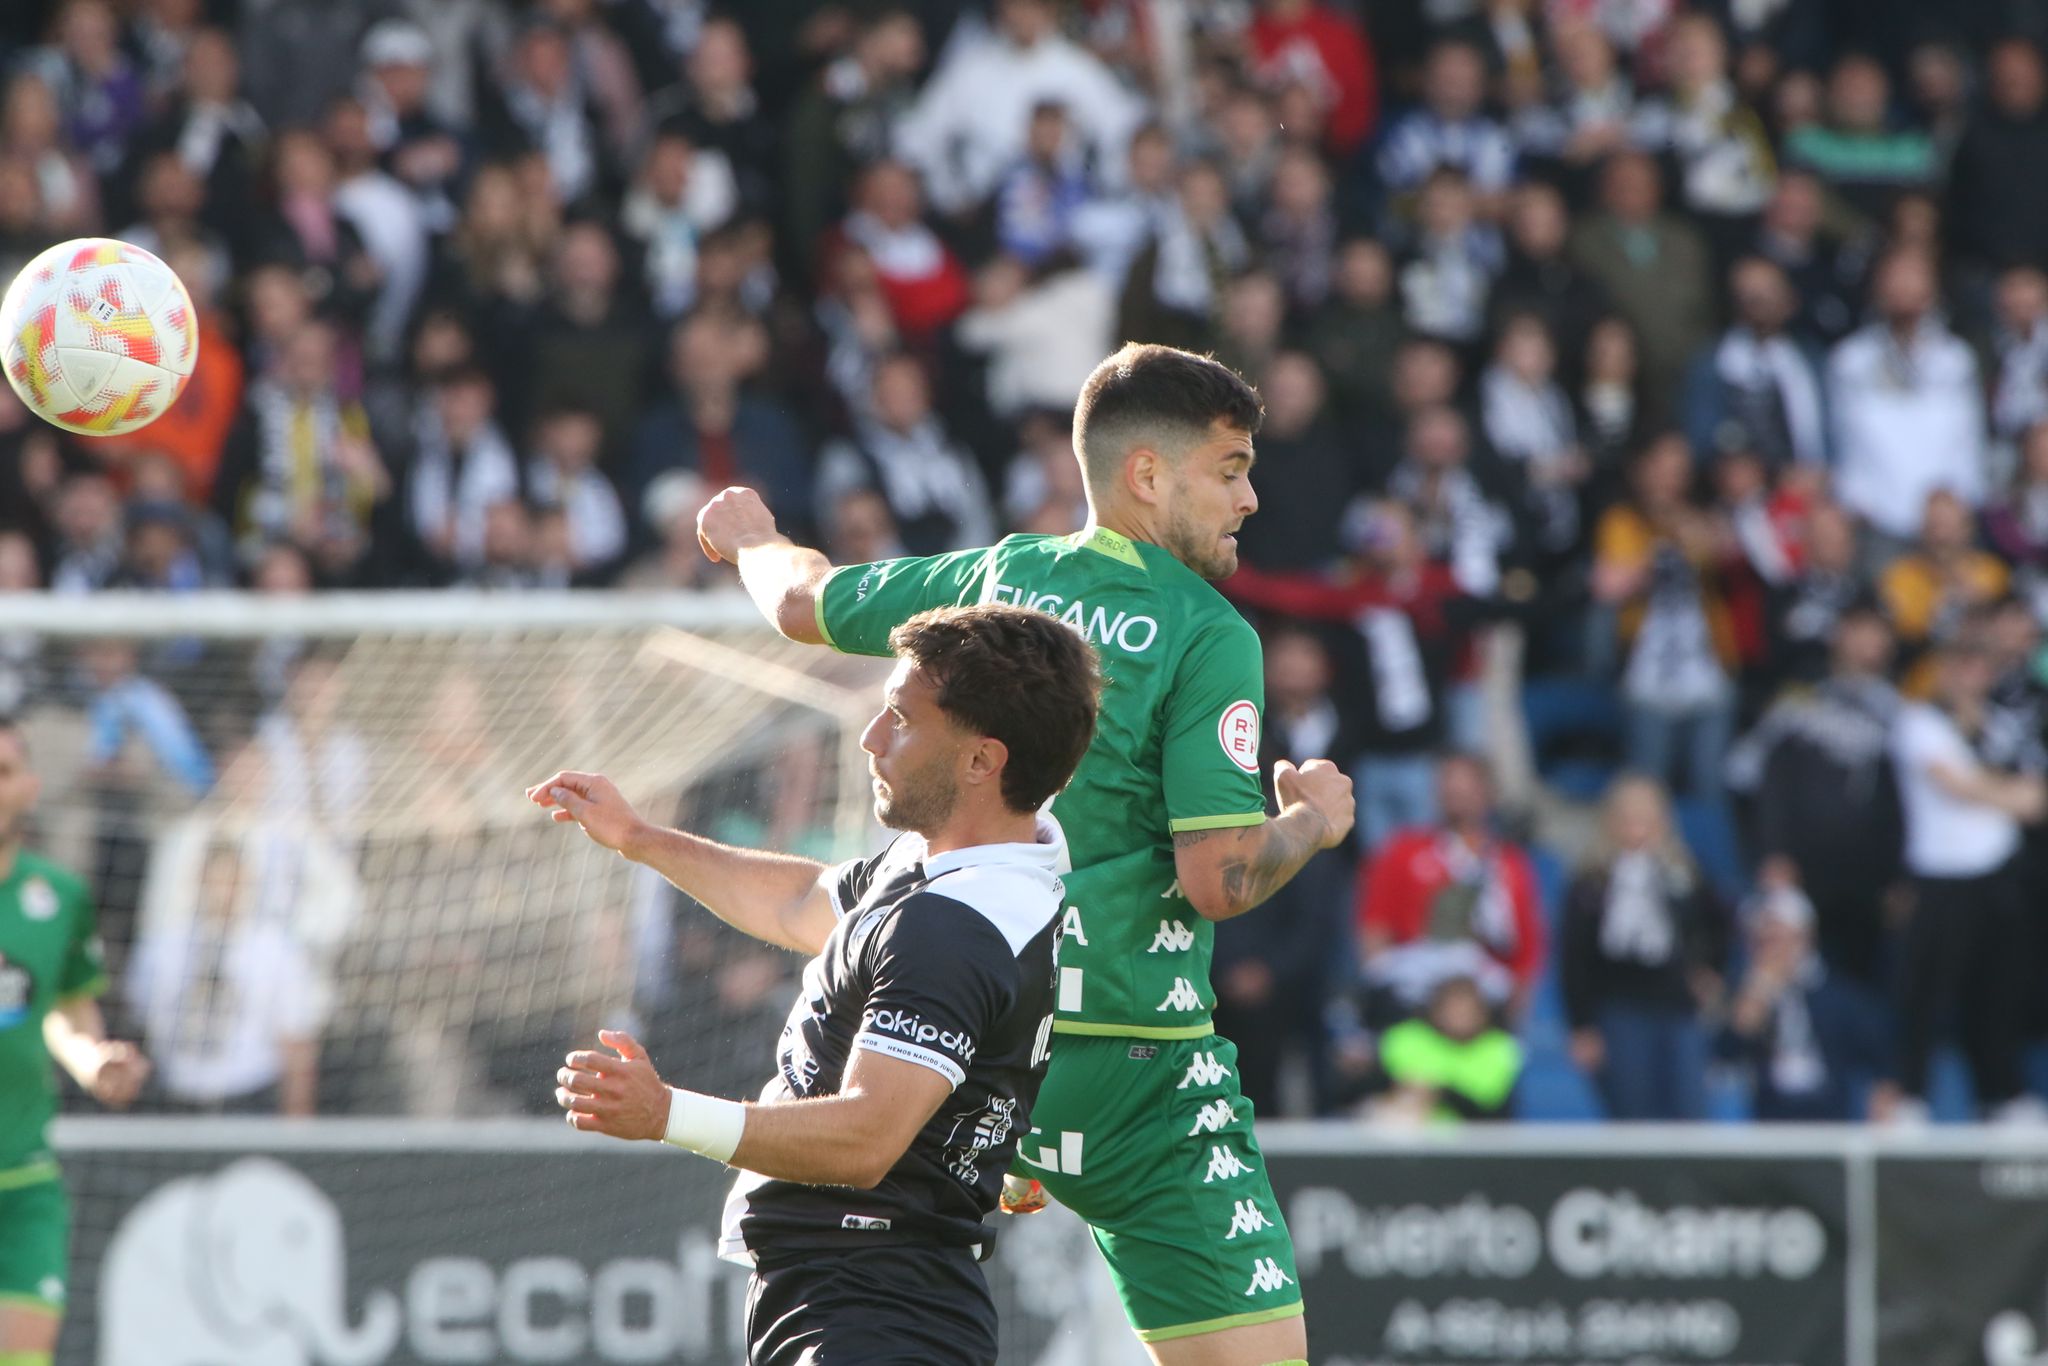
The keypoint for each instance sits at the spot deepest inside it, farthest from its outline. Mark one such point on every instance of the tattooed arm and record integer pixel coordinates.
(1227, 872)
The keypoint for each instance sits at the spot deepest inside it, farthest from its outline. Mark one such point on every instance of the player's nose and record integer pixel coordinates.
(872, 739)
(1248, 498)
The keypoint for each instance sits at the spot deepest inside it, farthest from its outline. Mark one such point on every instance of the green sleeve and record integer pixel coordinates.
(1210, 757)
(859, 604)
(85, 969)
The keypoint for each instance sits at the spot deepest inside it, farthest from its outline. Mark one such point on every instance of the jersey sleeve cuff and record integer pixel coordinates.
(92, 987)
(818, 607)
(1185, 823)
(905, 1051)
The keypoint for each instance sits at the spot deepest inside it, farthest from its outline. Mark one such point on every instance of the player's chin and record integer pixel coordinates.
(1223, 562)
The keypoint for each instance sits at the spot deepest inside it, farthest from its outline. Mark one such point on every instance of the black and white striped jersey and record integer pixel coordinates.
(947, 962)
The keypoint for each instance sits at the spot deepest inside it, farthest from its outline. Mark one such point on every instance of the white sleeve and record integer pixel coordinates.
(1921, 740)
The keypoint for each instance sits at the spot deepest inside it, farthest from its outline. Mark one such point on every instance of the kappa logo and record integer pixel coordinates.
(1182, 997)
(1237, 730)
(1267, 1276)
(1213, 1118)
(1225, 1165)
(1246, 1217)
(1204, 1070)
(1173, 937)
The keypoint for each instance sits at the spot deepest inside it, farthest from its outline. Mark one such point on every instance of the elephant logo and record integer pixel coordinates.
(241, 1267)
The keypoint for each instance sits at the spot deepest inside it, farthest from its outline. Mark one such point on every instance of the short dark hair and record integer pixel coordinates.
(1160, 396)
(1015, 675)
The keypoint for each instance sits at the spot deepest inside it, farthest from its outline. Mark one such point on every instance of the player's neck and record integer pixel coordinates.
(966, 829)
(1128, 521)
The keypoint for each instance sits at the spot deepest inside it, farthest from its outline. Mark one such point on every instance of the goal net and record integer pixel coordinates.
(319, 879)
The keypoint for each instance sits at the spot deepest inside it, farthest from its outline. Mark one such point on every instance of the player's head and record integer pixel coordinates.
(18, 784)
(993, 705)
(1165, 436)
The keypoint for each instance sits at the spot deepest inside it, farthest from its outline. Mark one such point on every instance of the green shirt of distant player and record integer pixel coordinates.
(1176, 749)
(49, 954)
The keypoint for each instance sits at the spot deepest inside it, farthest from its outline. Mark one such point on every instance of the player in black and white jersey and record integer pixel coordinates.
(911, 1058)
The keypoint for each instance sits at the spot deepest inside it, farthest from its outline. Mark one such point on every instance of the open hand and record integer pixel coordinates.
(590, 800)
(617, 1093)
(119, 1078)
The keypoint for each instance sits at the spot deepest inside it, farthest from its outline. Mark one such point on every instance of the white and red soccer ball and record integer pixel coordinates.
(98, 336)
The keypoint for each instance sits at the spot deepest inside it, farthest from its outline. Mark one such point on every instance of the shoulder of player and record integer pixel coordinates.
(67, 883)
(1213, 629)
(997, 904)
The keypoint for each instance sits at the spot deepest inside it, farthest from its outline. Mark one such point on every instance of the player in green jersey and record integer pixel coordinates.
(50, 973)
(1141, 1127)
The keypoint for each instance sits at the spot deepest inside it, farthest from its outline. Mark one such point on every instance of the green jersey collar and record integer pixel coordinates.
(1103, 541)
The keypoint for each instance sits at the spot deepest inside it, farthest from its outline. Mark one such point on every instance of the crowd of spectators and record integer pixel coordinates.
(1654, 480)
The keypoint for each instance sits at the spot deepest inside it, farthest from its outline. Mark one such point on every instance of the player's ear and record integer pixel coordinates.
(1144, 469)
(987, 760)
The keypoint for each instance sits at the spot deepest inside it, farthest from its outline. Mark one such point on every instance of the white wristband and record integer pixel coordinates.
(704, 1124)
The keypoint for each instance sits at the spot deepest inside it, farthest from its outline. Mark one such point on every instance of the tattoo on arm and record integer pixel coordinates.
(1263, 858)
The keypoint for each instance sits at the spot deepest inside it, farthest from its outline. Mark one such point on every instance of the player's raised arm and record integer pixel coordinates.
(783, 578)
(777, 898)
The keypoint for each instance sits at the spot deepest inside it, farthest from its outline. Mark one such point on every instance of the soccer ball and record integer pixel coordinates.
(98, 336)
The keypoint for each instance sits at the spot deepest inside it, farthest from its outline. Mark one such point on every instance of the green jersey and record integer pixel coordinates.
(1176, 748)
(49, 954)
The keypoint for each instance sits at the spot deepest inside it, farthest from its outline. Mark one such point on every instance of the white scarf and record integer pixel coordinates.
(1636, 923)
(1748, 362)
(1523, 420)
(911, 252)
(1183, 279)
(921, 473)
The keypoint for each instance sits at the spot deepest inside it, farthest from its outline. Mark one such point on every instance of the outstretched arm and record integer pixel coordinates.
(1226, 872)
(851, 1138)
(777, 898)
(783, 578)
(76, 1035)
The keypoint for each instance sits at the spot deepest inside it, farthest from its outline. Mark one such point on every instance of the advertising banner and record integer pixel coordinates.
(1962, 1260)
(599, 1254)
(1556, 1260)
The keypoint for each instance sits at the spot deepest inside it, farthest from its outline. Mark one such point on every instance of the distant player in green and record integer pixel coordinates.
(50, 973)
(1141, 1127)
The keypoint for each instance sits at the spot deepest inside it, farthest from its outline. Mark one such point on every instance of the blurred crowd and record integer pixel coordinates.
(1654, 478)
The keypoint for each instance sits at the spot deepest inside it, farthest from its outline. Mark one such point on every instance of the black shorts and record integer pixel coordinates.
(877, 1306)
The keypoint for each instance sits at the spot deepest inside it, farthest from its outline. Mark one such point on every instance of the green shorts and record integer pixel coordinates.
(35, 1228)
(1150, 1141)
